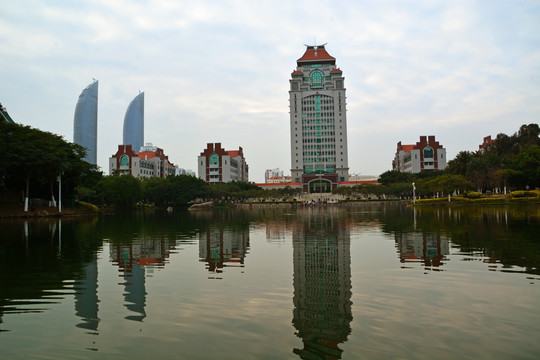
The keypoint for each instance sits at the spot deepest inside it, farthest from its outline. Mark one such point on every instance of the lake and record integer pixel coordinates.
(369, 281)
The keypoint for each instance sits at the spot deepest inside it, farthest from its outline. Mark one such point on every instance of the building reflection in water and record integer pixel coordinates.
(219, 248)
(132, 260)
(86, 296)
(426, 248)
(322, 286)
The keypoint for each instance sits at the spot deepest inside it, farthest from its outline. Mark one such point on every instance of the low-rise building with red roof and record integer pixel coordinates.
(426, 154)
(217, 165)
(150, 161)
(487, 141)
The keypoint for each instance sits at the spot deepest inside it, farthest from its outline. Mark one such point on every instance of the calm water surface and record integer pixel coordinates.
(377, 281)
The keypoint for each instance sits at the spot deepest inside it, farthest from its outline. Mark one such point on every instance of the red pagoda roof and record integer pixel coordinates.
(316, 54)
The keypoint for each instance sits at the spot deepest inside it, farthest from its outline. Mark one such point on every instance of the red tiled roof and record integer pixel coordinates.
(297, 72)
(407, 148)
(232, 153)
(336, 71)
(146, 154)
(280, 184)
(312, 54)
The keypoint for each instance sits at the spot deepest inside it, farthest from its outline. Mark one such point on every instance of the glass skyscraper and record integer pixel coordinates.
(134, 123)
(85, 122)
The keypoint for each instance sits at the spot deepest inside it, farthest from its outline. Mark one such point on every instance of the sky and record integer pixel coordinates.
(218, 71)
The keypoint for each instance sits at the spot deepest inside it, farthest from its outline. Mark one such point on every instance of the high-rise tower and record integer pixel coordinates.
(134, 123)
(318, 118)
(85, 121)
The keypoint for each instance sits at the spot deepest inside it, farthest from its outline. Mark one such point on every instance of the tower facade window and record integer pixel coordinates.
(214, 159)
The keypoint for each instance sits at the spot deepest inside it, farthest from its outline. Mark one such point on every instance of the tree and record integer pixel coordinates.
(527, 167)
(157, 191)
(120, 190)
(460, 163)
(185, 188)
(29, 154)
(394, 176)
(444, 184)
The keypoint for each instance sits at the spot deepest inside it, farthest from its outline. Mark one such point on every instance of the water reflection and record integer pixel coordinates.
(87, 269)
(424, 248)
(38, 267)
(86, 296)
(220, 248)
(133, 259)
(322, 285)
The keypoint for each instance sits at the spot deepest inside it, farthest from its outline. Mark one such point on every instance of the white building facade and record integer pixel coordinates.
(426, 154)
(217, 165)
(150, 161)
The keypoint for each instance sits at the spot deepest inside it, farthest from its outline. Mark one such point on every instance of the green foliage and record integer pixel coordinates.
(510, 160)
(525, 194)
(123, 190)
(34, 157)
(87, 207)
(459, 164)
(526, 165)
(446, 183)
(472, 195)
(157, 191)
(184, 188)
(393, 176)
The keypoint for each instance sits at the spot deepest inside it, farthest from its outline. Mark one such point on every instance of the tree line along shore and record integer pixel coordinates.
(35, 164)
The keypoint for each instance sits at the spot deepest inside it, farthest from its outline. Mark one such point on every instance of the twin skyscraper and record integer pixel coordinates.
(85, 122)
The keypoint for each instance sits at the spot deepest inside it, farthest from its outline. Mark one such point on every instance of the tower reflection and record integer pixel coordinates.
(132, 260)
(322, 285)
(86, 297)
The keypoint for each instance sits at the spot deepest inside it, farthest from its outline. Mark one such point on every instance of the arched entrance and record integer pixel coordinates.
(320, 186)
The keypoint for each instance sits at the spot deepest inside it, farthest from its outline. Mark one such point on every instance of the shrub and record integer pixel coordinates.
(88, 207)
(472, 195)
(523, 194)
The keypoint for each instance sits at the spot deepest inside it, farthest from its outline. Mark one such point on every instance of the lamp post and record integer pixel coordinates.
(413, 193)
(60, 193)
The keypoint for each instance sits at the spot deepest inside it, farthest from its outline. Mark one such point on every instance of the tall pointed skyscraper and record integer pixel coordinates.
(134, 123)
(318, 117)
(85, 122)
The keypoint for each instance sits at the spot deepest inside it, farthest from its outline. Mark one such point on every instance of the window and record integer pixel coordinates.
(214, 159)
(124, 160)
(316, 79)
(428, 152)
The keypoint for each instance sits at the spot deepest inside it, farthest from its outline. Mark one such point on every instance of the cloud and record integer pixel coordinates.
(219, 71)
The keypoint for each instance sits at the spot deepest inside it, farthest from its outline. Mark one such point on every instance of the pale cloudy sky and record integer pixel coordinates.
(218, 71)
